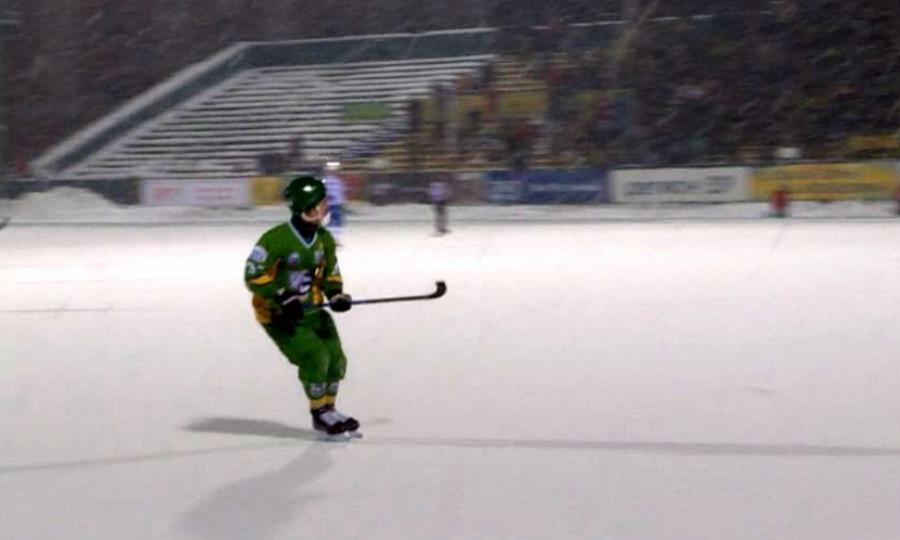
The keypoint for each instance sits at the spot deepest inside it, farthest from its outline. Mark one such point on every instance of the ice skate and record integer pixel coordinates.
(328, 424)
(351, 425)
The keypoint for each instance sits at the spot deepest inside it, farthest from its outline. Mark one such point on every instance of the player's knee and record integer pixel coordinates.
(315, 390)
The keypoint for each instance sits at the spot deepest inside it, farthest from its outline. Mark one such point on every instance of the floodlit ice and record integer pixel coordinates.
(592, 373)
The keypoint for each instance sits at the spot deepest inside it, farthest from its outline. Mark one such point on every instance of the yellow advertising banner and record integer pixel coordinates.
(265, 190)
(873, 143)
(827, 181)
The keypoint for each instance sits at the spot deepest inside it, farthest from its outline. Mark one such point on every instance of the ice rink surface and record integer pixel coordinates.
(689, 380)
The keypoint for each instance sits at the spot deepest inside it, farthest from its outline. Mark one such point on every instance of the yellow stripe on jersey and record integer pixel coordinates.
(263, 279)
(268, 276)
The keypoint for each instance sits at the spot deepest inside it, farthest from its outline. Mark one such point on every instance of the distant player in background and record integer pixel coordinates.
(290, 271)
(780, 201)
(336, 195)
(439, 195)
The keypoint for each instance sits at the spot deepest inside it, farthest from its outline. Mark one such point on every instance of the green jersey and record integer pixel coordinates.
(282, 260)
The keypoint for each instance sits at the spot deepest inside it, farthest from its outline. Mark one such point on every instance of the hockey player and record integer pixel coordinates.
(290, 271)
(335, 195)
(439, 194)
(781, 200)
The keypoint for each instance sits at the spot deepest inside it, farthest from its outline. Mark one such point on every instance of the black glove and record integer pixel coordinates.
(290, 311)
(341, 302)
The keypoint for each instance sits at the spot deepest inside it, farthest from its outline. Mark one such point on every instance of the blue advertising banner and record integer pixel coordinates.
(502, 188)
(547, 186)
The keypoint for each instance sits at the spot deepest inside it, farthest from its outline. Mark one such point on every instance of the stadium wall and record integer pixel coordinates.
(878, 180)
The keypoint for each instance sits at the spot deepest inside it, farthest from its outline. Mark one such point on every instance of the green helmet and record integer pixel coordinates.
(303, 193)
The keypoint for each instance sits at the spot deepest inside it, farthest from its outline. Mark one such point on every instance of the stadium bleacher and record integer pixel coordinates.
(222, 132)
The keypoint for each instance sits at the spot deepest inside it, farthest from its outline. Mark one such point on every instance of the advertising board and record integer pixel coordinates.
(681, 185)
(208, 193)
(547, 186)
(266, 190)
(827, 181)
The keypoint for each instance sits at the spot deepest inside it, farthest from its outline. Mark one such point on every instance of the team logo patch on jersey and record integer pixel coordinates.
(293, 259)
(259, 254)
(300, 281)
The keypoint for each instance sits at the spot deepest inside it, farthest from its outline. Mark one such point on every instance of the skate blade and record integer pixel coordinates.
(339, 437)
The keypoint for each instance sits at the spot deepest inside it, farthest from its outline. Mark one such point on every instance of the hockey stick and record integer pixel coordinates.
(440, 289)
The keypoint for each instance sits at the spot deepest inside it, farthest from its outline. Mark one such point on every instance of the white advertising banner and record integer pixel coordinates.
(725, 184)
(209, 193)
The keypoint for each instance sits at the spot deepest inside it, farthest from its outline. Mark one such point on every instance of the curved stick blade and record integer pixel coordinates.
(440, 290)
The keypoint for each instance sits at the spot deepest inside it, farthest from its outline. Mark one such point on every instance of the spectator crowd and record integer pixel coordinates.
(726, 88)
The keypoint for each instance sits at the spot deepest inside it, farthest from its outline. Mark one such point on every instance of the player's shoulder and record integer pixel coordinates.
(275, 238)
(278, 231)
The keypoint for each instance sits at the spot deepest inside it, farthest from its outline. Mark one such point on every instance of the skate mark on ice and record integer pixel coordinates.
(758, 390)
(661, 447)
(77, 464)
(291, 434)
(235, 426)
